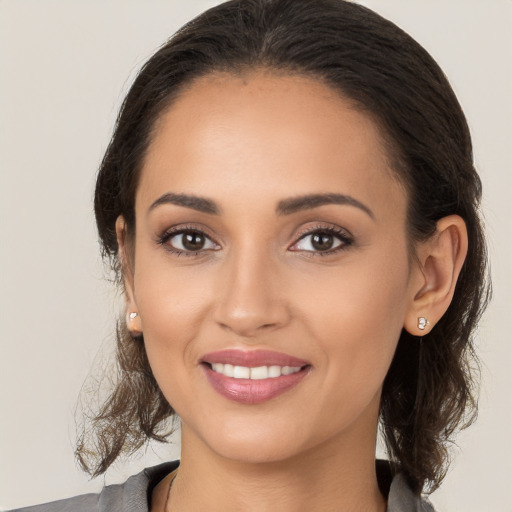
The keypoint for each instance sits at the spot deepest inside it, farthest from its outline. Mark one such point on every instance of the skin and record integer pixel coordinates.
(248, 142)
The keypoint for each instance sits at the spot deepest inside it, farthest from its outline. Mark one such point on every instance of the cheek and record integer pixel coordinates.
(171, 303)
(170, 327)
(356, 315)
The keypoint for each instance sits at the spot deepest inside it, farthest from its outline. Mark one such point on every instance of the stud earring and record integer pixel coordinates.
(134, 325)
(422, 323)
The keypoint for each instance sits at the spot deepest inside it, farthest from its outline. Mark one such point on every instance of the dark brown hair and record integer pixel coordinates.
(429, 390)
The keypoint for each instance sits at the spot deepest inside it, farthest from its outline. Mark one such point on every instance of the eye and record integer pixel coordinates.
(323, 240)
(187, 241)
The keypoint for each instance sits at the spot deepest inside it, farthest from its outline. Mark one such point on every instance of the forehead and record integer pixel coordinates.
(265, 133)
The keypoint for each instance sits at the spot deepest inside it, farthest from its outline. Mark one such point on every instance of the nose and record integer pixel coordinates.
(252, 298)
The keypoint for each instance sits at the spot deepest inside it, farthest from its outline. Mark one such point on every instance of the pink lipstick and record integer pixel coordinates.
(252, 377)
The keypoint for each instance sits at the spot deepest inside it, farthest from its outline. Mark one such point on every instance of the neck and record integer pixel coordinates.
(336, 476)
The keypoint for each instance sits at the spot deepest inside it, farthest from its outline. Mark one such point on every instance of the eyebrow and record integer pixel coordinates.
(201, 204)
(295, 204)
(284, 207)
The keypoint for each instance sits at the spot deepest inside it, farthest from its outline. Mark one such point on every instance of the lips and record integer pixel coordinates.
(252, 377)
(253, 358)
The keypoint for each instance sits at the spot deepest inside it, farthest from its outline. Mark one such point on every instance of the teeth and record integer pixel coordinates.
(261, 372)
(258, 373)
(217, 367)
(241, 372)
(274, 371)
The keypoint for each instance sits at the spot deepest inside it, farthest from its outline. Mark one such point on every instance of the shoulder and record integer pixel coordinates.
(85, 502)
(132, 495)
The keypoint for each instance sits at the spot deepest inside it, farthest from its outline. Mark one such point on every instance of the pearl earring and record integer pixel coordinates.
(422, 323)
(133, 324)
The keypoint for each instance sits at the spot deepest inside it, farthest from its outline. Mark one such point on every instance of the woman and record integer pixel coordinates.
(290, 201)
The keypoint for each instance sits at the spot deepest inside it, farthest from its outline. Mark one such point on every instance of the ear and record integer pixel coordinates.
(133, 320)
(433, 279)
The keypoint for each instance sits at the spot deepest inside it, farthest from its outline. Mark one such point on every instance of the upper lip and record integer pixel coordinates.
(252, 358)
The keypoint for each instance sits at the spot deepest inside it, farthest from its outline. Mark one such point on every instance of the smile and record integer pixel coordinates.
(257, 373)
(253, 377)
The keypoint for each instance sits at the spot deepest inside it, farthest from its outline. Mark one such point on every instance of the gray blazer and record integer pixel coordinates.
(134, 495)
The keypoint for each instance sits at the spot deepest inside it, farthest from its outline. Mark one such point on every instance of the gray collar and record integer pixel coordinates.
(135, 494)
(402, 499)
(400, 496)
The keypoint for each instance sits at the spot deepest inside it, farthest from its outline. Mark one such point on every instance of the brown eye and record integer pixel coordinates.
(189, 241)
(193, 241)
(322, 241)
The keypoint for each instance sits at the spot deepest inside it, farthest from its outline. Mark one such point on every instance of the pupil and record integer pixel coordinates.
(322, 242)
(193, 241)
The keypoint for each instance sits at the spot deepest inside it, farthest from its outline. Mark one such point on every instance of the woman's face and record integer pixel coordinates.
(270, 233)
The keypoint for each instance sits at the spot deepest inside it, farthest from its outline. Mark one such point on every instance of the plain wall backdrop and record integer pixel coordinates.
(64, 68)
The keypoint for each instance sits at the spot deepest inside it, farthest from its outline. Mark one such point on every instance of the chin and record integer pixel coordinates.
(267, 443)
(256, 452)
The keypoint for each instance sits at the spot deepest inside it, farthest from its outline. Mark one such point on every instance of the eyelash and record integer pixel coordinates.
(170, 233)
(343, 236)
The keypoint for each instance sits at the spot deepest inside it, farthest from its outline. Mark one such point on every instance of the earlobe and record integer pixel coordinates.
(133, 320)
(439, 263)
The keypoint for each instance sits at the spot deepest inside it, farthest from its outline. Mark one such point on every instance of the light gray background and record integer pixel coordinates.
(64, 67)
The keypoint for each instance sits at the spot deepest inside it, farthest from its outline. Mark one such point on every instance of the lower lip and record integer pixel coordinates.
(249, 391)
